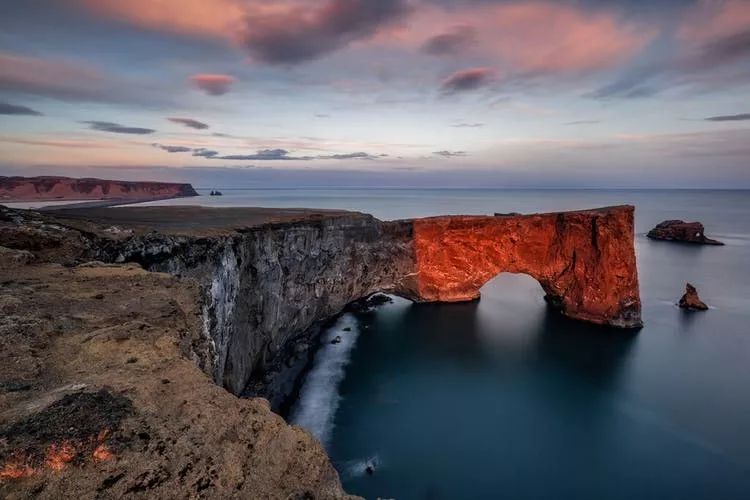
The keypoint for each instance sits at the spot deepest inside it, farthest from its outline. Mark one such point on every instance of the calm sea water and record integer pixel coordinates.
(505, 399)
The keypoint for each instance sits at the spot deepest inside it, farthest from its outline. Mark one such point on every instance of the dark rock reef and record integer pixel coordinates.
(690, 300)
(678, 230)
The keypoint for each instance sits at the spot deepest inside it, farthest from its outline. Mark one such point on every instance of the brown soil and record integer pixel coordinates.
(188, 220)
(101, 396)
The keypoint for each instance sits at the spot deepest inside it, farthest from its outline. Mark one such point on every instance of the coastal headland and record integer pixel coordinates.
(51, 188)
(138, 319)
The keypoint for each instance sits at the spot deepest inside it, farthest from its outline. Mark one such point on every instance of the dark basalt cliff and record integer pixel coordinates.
(66, 188)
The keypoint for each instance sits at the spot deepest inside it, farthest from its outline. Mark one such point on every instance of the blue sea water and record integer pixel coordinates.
(503, 398)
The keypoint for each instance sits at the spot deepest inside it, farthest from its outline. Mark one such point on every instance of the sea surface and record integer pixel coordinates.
(503, 398)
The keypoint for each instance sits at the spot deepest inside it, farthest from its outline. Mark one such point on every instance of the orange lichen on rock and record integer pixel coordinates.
(17, 468)
(101, 453)
(584, 260)
(59, 455)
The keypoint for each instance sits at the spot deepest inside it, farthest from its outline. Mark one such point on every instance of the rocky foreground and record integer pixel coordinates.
(102, 396)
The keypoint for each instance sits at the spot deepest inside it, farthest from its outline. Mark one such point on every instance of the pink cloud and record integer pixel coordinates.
(213, 84)
(47, 76)
(710, 20)
(537, 36)
(204, 18)
(73, 81)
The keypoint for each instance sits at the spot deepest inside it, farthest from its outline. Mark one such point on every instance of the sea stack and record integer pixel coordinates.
(678, 230)
(691, 301)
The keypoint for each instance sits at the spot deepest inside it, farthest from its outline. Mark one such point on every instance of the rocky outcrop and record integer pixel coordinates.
(690, 300)
(678, 230)
(66, 188)
(584, 261)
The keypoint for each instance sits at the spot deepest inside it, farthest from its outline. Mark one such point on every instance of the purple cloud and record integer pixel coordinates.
(453, 42)
(467, 79)
(189, 122)
(14, 109)
(116, 128)
(303, 34)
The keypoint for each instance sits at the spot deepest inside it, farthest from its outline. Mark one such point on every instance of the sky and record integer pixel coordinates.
(368, 93)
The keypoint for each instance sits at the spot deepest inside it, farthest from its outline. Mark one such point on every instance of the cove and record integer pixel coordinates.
(506, 398)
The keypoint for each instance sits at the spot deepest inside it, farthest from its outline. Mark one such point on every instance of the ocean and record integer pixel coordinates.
(503, 398)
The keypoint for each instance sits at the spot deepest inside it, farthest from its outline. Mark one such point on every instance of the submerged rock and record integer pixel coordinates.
(678, 230)
(691, 301)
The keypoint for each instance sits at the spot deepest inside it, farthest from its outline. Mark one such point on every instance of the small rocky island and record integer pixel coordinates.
(679, 230)
(690, 300)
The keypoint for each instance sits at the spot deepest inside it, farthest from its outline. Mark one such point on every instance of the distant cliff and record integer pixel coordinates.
(66, 188)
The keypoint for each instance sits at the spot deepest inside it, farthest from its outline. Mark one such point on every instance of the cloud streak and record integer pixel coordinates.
(71, 81)
(116, 128)
(277, 154)
(450, 154)
(453, 42)
(172, 149)
(729, 118)
(14, 109)
(467, 79)
(189, 122)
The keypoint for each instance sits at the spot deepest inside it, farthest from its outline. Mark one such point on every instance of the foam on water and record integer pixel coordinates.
(319, 397)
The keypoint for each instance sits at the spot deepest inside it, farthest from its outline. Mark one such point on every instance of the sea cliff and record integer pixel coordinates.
(65, 188)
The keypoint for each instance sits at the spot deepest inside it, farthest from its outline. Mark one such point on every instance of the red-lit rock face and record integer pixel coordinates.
(585, 261)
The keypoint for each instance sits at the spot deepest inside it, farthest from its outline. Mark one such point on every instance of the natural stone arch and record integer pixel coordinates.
(584, 260)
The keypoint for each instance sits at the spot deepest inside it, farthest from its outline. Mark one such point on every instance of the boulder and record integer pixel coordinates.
(691, 301)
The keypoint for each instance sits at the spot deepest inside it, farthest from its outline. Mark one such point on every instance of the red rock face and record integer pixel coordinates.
(585, 260)
(65, 188)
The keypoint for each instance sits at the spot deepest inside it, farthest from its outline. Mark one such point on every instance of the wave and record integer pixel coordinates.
(319, 396)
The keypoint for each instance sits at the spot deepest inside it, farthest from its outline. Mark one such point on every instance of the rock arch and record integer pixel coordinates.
(584, 260)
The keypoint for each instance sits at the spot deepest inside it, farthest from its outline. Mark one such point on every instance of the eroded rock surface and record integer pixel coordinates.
(678, 230)
(585, 260)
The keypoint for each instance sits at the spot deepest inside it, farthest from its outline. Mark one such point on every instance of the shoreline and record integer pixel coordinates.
(81, 203)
